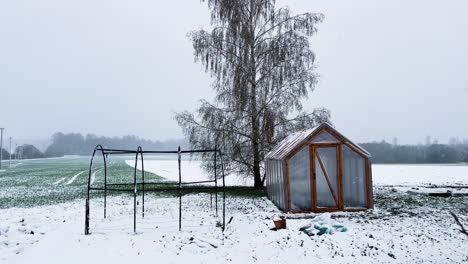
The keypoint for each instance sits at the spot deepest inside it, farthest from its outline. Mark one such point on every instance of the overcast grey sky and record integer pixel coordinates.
(115, 67)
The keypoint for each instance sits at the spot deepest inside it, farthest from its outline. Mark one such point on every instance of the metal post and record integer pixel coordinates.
(216, 182)
(143, 180)
(87, 215)
(135, 192)
(105, 182)
(88, 190)
(143, 176)
(180, 191)
(1, 146)
(224, 192)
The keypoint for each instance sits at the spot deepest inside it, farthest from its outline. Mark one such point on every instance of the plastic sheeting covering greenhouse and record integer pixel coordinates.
(318, 169)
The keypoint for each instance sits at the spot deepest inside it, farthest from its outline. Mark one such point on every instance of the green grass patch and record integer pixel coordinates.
(30, 183)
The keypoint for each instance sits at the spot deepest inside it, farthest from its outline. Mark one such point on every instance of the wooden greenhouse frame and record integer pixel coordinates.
(278, 167)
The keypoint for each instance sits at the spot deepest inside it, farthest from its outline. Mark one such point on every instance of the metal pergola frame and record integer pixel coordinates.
(182, 186)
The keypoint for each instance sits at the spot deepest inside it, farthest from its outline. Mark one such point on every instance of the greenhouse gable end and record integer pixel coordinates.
(318, 169)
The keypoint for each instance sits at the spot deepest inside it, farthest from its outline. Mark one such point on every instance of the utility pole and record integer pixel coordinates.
(1, 146)
(10, 152)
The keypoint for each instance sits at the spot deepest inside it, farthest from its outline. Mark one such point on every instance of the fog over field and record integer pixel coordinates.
(388, 68)
(233, 131)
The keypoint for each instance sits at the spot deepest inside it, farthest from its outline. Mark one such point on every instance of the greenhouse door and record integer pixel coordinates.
(325, 176)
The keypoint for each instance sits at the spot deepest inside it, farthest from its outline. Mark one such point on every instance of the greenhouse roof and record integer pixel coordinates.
(297, 139)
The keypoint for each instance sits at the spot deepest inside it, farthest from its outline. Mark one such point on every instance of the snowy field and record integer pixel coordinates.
(423, 179)
(420, 175)
(405, 234)
(383, 174)
(403, 228)
(190, 169)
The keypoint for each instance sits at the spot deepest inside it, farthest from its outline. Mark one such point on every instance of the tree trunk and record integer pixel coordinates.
(258, 184)
(255, 139)
(253, 100)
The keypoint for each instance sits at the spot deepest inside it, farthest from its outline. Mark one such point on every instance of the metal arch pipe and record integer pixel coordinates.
(224, 190)
(135, 189)
(216, 183)
(180, 187)
(118, 150)
(98, 147)
(104, 157)
(140, 151)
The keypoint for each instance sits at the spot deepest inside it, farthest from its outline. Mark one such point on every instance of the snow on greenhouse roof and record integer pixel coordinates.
(293, 141)
(289, 143)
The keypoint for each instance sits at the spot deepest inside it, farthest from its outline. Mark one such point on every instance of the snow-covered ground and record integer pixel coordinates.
(54, 234)
(403, 228)
(422, 178)
(421, 174)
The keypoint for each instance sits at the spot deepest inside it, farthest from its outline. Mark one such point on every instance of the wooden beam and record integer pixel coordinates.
(326, 145)
(366, 181)
(338, 137)
(324, 209)
(369, 190)
(306, 142)
(326, 177)
(312, 186)
(355, 150)
(295, 151)
(345, 141)
(340, 176)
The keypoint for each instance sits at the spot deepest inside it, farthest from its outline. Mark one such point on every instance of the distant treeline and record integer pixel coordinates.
(77, 144)
(25, 151)
(384, 152)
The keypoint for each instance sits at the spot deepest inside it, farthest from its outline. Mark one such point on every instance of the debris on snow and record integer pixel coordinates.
(323, 224)
(280, 222)
(457, 220)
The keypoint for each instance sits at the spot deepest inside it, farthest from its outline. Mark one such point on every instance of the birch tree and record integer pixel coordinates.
(261, 60)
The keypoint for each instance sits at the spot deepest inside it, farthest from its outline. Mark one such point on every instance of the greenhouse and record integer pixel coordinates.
(318, 169)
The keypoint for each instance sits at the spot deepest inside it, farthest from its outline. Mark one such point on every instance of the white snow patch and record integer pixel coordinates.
(59, 181)
(418, 175)
(93, 176)
(74, 178)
